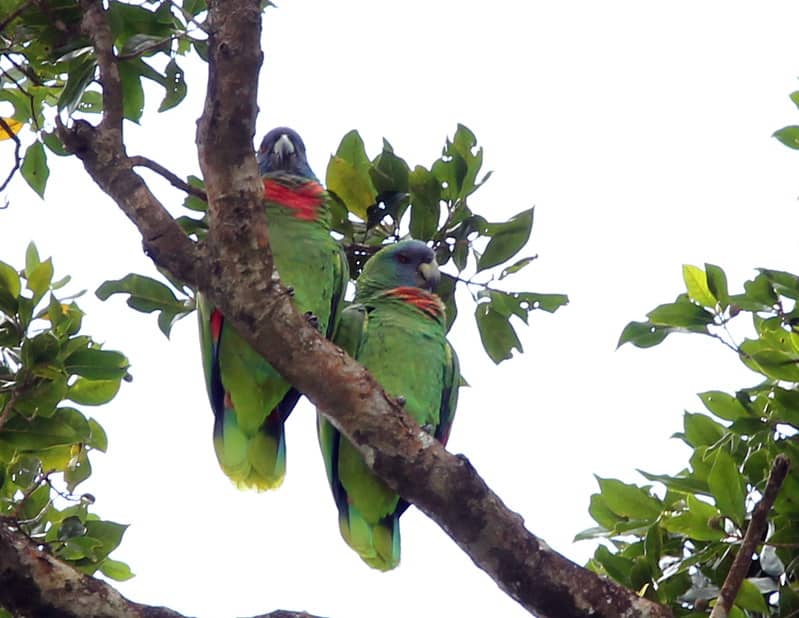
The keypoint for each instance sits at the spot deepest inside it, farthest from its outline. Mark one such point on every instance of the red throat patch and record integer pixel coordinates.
(216, 325)
(424, 301)
(304, 200)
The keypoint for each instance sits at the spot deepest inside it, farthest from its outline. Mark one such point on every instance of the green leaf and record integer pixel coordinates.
(446, 291)
(109, 533)
(697, 522)
(643, 334)
(81, 73)
(389, 173)
(789, 601)
(682, 484)
(34, 167)
(697, 285)
(701, 430)
(498, 336)
(32, 259)
(78, 470)
(425, 203)
(147, 295)
(507, 239)
(616, 566)
(118, 571)
(9, 280)
(42, 398)
(759, 291)
(723, 405)
(53, 143)
(93, 392)
(97, 437)
(602, 513)
(175, 86)
(717, 282)
(132, 91)
(348, 175)
(749, 597)
(786, 284)
(97, 364)
(726, 485)
(681, 314)
(39, 280)
(789, 136)
(517, 266)
(629, 500)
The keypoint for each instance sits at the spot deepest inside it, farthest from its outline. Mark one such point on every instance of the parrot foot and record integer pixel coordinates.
(400, 400)
(313, 320)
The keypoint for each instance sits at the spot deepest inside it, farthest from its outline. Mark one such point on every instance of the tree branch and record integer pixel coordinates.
(34, 583)
(236, 274)
(172, 178)
(102, 151)
(753, 537)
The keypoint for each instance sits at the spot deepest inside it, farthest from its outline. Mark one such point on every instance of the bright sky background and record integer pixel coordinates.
(641, 132)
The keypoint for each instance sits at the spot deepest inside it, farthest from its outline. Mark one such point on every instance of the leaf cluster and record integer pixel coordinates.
(47, 367)
(676, 545)
(48, 65)
(379, 200)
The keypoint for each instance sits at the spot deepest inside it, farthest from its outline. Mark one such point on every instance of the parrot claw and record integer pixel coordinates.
(401, 401)
(312, 320)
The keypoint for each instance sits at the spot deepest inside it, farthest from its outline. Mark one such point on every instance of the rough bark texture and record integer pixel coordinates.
(235, 272)
(33, 583)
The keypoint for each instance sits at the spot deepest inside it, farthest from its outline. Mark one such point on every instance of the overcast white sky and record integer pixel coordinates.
(641, 132)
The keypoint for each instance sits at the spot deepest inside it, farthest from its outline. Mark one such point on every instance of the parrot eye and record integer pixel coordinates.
(402, 258)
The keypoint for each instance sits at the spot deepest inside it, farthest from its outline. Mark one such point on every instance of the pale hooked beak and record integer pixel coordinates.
(430, 274)
(283, 147)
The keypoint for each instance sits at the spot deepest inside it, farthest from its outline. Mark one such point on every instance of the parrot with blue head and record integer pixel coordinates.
(396, 328)
(250, 400)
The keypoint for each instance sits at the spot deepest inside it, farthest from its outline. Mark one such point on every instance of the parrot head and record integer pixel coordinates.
(282, 150)
(407, 263)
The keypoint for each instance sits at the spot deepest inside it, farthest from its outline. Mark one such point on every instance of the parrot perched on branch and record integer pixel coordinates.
(250, 400)
(396, 329)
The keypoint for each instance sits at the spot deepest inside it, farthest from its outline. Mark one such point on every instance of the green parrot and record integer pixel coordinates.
(396, 329)
(250, 400)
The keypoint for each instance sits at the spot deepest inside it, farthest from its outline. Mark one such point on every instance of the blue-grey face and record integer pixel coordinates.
(282, 150)
(413, 264)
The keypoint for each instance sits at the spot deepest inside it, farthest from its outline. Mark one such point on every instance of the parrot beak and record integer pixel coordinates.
(430, 275)
(282, 152)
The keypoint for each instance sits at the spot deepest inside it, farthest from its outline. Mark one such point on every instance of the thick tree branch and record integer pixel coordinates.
(34, 583)
(236, 275)
(753, 537)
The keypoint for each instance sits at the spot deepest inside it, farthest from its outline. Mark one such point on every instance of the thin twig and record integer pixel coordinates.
(14, 14)
(172, 178)
(752, 538)
(8, 408)
(17, 159)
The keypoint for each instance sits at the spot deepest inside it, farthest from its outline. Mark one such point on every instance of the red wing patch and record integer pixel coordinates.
(304, 200)
(424, 301)
(216, 325)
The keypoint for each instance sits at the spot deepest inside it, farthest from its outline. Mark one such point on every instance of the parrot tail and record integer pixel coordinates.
(378, 545)
(257, 462)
